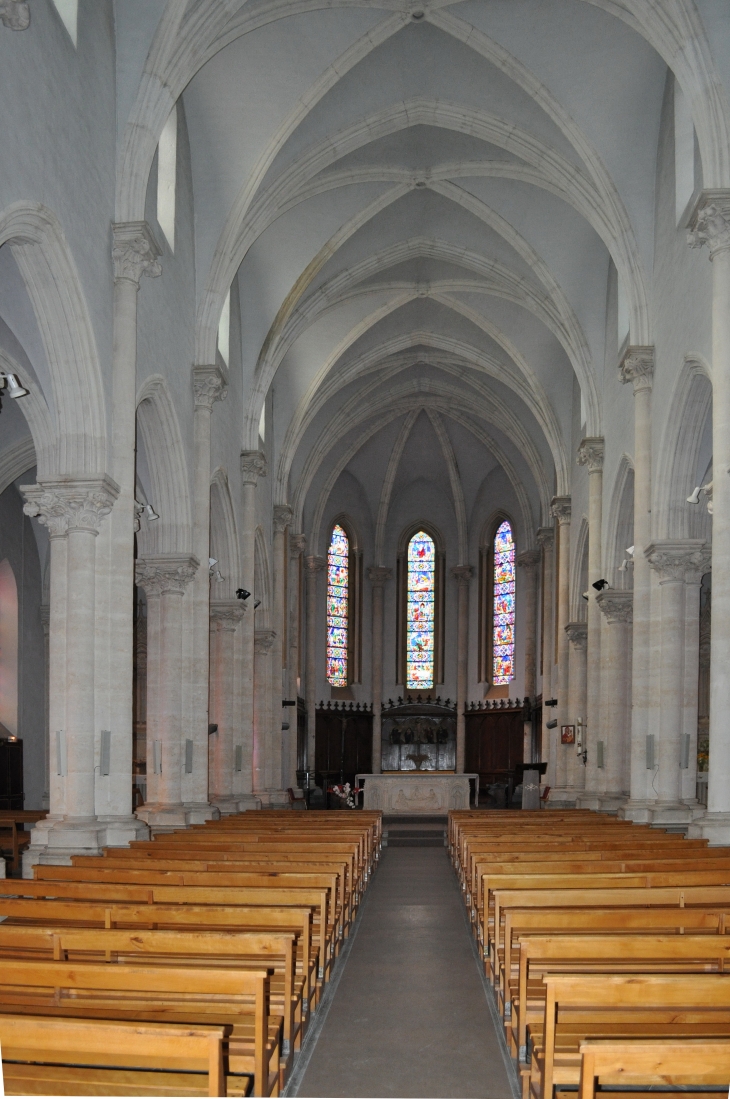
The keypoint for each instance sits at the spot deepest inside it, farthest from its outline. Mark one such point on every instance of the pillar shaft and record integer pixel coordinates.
(528, 562)
(279, 776)
(590, 454)
(617, 607)
(561, 510)
(546, 539)
(297, 542)
(253, 466)
(462, 574)
(378, 577)
(572, 770)
(224, 619)
(313, 566)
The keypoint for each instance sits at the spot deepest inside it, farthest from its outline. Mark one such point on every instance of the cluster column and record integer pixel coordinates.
(164, 578)
(278, 777)
(253, 466)
(561, 510)
(673, 562)
(546, 540)
(225, 617)
(73, 511)
(262, 716)
(378, 577)
(590, 454)
(462, 574)
(572, 770)
(637, 367)
(297, 544)
(528, 562)
(617, 608)
(711, 225)
(313, 566)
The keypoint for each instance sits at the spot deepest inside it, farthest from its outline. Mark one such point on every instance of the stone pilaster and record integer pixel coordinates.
(225, 616)
(590, 455)
(529, 561)
(571, 769)
(279, 776)
(297, 545)
(561, 510)
(546, 541)
(378, 577)
(253, 466)
(263, 642)
(617, 608)
(462, 574)
(313, 566)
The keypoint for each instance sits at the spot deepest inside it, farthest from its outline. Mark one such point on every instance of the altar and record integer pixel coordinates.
(417, 793)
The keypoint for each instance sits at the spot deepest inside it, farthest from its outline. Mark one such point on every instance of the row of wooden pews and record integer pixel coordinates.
(606, 945)
(190, 964)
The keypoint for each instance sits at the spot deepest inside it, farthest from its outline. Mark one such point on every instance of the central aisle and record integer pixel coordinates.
(409, 1017)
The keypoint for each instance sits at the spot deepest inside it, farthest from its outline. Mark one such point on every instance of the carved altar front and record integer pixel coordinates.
(418, 734)
(428, 793)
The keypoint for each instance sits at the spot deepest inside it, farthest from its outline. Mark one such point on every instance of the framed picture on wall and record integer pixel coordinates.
(567, 734)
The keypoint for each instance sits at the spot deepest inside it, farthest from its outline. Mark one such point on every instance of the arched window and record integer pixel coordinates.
(503, 606)
(338, 608)
(420, 612)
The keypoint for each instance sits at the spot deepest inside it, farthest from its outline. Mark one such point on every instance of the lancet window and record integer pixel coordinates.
(503, 605)
(420, 612)
(338, 607)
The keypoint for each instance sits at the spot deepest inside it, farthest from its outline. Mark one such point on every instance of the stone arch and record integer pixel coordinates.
(159, 433)
(676, 472)
(579, 574)
(262, 580)
(54, 288)
(224, 536)
(40, 424)
(16, 460)
(620, 528)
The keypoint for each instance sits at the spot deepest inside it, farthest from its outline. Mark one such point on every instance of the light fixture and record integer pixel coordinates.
(13, 386)
(150, 513)
(552, 724)
(241, 593)
(630, 551)
(623, 567)
(585, 595)
(212, 561)
(256, 603)
(599, 585)
(695, 497)
(551, 702)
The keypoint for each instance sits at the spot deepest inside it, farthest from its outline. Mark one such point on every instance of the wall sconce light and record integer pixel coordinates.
(150, 513)
(12, 385)
(600, 585)
(241, 593)
(256, 603)
(213, 571)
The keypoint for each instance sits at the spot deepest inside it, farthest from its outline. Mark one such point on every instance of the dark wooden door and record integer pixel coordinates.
(343, 745)
(11, 774)
(494, 744)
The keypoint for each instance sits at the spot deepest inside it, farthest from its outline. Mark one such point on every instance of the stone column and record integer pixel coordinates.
(561, 510)
(590, 454)
(617, 608)
(313, 566)
(46, 622)
(672, 560)
(278, 775)
(546, 539)
(572, 766)
(297, 544)
(710, 224)
(378, 577)
(462, 574)
(208, 387)
(73, 511)
(692, 674)
(528, 562)
(253, 466)
(263, 642)
(225, 617)
(164, 577)
(637, 367)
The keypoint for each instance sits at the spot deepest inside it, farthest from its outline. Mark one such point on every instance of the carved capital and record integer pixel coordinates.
(297, 545)
(617, 606)
(282, 517)
(529, 559)
(263, 640)
(165, 572)
(379, 576)
(684, 561)
(462, 574)
(637, 367)
(15, 14)
(134, 251)
(253, 466)
(590, 453)
(707, 489)
(545, 537)
(314, 564)
(225, 614)
(80, 504)
(578, 635)
(209, 386)
(710, 222)
(560, 509)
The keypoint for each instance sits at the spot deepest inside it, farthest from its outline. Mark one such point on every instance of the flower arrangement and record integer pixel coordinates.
(346, 794)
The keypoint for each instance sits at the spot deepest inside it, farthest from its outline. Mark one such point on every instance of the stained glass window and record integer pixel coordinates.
(420, 612)
(338, 579)
(503, 626)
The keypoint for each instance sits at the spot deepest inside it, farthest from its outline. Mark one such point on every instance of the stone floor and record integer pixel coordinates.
(409, 1016)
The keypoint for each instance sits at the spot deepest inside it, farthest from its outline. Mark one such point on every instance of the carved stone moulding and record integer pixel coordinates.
(590, 453)
(578, 634)
(314, 564)
(637, 367)
(209, 386)
(225, 614)
(263, 640)
(282, 518)
(560, 508)
(135, 251)
(253, 466)
(545, 536)
(15, 14)
(709, 222)
(686, 560)
(165, 572)
(617, 606)
(528, 559)
(378, 575)
(67, 504)
(297, 545)
(462, 573)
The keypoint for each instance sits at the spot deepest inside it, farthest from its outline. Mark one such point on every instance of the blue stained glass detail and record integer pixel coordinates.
(338, 569)
(503, 609)
(420, 612)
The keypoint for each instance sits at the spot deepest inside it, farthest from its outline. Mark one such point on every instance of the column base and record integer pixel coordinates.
(611, 803)
(197, 812)
(225, 805)
(273, 799)
(640, 812)
(562, 797)
(588, 799)
(163, 818)
(121, 831)
(714, 827)
(63, 837)
(248, 803)
(671, 813)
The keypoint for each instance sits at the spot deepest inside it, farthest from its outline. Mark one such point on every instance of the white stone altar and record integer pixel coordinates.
(416, 792)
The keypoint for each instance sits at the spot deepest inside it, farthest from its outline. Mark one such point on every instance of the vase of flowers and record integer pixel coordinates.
(346, 796)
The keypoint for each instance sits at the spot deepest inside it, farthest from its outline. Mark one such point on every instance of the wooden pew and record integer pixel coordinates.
(636, 1005)
(93, 1057)
(144, 994)
(645, 1063)
(13, 837)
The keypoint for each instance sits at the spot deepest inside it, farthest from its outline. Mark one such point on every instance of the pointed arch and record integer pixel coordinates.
(262, 580)
(620, 528)
(37, 416)
(689, 411)
(579, 574)
(421, 567)
(158, 430)
(224, 535)
(488, 609)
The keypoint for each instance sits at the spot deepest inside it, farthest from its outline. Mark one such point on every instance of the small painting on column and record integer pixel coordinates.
(567, 734)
